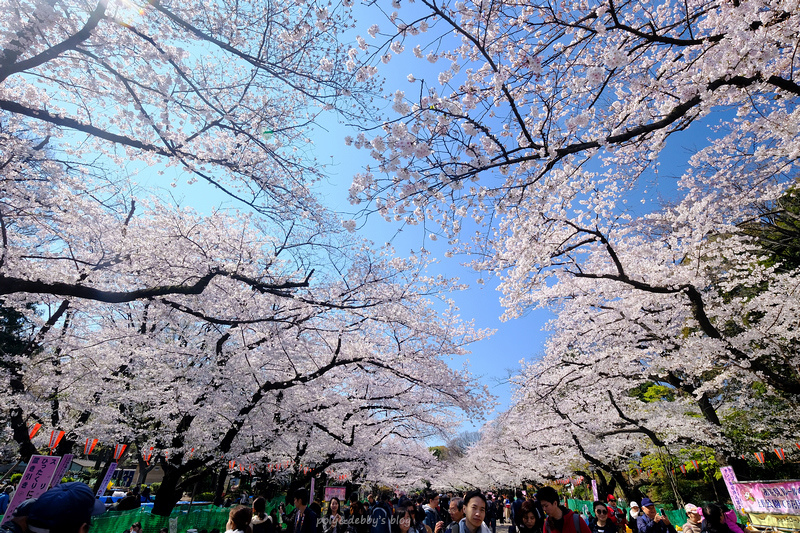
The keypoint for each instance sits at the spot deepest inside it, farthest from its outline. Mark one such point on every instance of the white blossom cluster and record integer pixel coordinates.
(544, 141)
(264, 332)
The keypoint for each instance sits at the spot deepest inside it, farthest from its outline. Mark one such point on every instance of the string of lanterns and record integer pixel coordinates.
(761, 457)
(147, 455)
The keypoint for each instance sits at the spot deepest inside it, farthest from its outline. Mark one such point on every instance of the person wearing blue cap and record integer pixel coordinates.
(652, 522)
(66, 508)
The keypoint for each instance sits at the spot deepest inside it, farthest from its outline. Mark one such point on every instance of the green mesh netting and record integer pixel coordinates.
(187, 517)
(677, 518)
(199, 517)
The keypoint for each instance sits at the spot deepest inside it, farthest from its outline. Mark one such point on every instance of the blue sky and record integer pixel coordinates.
(492, 359)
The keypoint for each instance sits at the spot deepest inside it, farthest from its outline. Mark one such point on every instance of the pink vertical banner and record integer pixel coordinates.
(311, 499)
(106, 479)
(729, 477)
(594, 491)
(63, 466)
(35, 481)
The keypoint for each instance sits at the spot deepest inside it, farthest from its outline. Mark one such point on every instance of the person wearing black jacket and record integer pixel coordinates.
(516, 514)
(335, 521)
(261, 521)
(303, 520)
(601, 523)
(491, 518)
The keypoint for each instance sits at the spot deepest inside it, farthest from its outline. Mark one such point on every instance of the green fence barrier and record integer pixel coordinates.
(187, 517)
(677, 518)
(198, 517)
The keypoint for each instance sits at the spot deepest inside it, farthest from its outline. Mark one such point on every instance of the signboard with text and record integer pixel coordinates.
(63, 466)
(35, 481)
(335, 492)
(729, 476)
(770, 521)
(104, 485)
(780, 497)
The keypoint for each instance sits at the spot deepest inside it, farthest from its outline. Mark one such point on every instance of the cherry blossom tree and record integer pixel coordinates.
(262, 332)
(257, 368)
(576, 416)
(224, 92)
(533, 146)
(92, 94)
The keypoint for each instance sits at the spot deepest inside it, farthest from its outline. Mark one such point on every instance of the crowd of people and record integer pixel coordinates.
(425, 513)
(476, 512)
(68, 508)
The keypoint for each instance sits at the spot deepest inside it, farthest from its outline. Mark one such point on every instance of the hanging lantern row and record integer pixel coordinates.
(570, 480)
(333, 475)
(271, 467)
(147, 456)
(760, 457)
(89, 445)
(780, 452)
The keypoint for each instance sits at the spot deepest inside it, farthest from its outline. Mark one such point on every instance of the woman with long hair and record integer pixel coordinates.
(261, 522)
(357, 516)
(405, 521)
(334, 520)
(714, 519)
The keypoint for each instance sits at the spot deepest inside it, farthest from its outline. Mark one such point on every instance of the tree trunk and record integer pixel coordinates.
(66, 446)
(297, 481)
(602, 486)
(631, 492)
(219, 485)
(143, 470)
(169, 493)
(20, 432)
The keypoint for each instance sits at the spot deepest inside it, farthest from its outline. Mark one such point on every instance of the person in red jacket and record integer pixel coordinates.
(559, 518)
(616, 515)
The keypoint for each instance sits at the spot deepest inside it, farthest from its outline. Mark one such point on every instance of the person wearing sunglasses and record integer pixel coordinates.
(601, 523)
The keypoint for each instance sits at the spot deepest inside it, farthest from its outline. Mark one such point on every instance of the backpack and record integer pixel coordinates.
(576, 522)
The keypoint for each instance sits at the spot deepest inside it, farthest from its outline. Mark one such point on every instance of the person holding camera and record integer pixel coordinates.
(651, 521)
